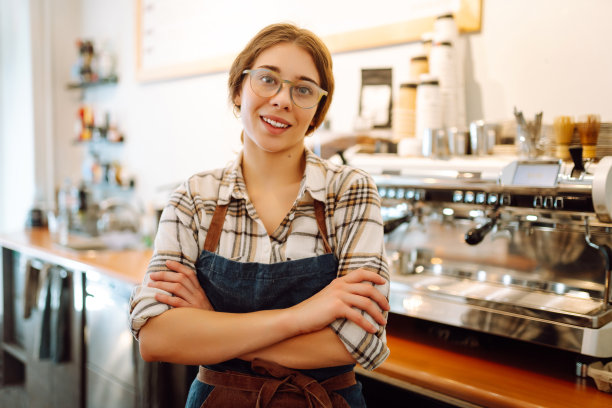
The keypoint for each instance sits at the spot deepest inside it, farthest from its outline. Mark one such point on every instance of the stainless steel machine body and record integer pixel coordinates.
(514, 248)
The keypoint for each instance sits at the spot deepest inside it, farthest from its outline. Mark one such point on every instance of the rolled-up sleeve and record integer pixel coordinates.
(176, 240)
(360, 244)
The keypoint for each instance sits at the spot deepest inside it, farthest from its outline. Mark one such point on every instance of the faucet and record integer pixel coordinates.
(117, 214)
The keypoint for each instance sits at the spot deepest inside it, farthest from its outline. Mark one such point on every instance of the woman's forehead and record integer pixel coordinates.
(289, 60)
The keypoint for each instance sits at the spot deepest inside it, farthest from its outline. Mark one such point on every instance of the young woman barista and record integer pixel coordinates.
(270, 273)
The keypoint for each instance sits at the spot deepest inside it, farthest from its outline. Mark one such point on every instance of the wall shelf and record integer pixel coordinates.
(99, 82)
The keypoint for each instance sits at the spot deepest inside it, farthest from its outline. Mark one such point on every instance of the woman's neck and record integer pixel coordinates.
(271, 170)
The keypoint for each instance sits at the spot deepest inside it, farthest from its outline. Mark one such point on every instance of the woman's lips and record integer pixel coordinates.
(274, 124)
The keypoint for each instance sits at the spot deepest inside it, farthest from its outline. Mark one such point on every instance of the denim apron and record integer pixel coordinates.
(237, 287)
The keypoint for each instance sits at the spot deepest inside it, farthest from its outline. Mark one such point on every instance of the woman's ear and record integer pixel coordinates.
(237, 100)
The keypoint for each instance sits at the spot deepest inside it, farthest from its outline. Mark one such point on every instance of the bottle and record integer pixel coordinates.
(64, 209)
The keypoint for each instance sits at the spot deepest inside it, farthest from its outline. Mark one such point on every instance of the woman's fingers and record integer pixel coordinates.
(186, 271)
(359, 319)
(360, 275)
(366, 305)
(171, 300)
(368, 291)
(182, 282)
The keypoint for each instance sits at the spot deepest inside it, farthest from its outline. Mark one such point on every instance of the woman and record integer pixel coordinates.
(270, 273)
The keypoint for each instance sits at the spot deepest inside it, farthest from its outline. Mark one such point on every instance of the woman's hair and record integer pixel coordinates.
(286, 33)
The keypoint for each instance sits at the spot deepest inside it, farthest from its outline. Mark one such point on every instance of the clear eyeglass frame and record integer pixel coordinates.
(292, 86)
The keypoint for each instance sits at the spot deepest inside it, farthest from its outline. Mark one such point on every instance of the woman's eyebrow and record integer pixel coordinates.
(277, 70)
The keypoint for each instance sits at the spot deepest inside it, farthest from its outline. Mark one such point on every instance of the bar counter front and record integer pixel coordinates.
(449, 365)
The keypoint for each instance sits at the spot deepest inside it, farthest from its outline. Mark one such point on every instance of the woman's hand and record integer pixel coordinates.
(339, 300)
(183, 284)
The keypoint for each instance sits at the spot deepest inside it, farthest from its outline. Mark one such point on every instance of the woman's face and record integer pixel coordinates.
(274, 124)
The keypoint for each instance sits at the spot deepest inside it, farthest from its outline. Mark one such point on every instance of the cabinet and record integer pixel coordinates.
(111, 353)
(42, 342)
(100, 366)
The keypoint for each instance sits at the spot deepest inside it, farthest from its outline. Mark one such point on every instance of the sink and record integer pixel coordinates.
(114, 240)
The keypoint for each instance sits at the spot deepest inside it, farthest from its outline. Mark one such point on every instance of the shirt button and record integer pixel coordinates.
(291, 216)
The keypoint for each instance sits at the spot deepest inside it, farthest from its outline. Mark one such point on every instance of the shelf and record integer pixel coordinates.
(102, 81)
(98, 142)
(16, 351)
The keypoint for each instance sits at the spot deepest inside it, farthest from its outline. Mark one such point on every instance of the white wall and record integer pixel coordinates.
(16, 115)
(550, 55)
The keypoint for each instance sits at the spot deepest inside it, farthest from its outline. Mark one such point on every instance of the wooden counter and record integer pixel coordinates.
(128, 265)
(454, 365)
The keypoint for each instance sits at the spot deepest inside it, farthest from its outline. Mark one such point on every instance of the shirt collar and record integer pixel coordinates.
(313, 181)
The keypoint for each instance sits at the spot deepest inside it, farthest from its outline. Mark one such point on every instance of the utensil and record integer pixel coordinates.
(528, 134)
(588, 129)
(563, 127)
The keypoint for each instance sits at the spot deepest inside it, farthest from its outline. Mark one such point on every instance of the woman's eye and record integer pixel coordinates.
(304, 90)
(268, 79)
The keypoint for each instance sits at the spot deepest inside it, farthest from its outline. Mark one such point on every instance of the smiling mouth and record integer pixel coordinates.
(274, 123)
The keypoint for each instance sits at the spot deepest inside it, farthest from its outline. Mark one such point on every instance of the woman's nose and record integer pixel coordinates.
(282, 99)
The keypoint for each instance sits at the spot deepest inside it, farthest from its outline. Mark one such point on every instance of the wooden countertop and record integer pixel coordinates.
(127, 265)
(456, 365)
(483, 369)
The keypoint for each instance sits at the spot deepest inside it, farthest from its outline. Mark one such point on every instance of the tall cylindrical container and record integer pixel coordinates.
(442, 65)
(404, 120)
(446, 30)
(428, 105)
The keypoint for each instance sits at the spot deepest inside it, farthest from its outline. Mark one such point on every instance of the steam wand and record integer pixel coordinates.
(606, 252)
(475, 235)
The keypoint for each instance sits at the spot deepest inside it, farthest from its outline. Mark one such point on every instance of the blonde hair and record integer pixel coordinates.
(286, 33)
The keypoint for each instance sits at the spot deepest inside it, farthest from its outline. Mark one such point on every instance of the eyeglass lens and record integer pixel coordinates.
(266, 83)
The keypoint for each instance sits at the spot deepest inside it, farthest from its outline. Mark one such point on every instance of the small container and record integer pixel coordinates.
(419, 64)
(478, 139)
(458, 140)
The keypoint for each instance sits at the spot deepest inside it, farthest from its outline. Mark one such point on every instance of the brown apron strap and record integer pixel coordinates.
(320, 215)
(216, 227)
(218, 218)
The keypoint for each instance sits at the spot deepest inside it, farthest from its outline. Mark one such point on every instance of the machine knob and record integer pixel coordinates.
(558, 203)
(537, 202)
(481, 198)
(458, 196)
(505, 199)
(419, 195)
(492, 199)
(382, 191)
(548, 202)
(468, 197)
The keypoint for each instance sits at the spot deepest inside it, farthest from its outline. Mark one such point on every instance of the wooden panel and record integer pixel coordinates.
(362, 34)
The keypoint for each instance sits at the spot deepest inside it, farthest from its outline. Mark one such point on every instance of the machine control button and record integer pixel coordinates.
(382, 191)
(505, 199)
(559, 204)
(401, 193)
(537, 202)
(548, 202)
(458, 196)
(391, 192)
(410, 194)
(481, 198)
(492, 199)
(419, 194)
(469, 197)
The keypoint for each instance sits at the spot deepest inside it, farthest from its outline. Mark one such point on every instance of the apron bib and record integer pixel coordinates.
(237, 287)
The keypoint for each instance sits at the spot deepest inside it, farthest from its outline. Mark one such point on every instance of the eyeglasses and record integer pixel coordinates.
(267, 83)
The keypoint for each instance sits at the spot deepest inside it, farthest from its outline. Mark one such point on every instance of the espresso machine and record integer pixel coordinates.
(504, 246)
